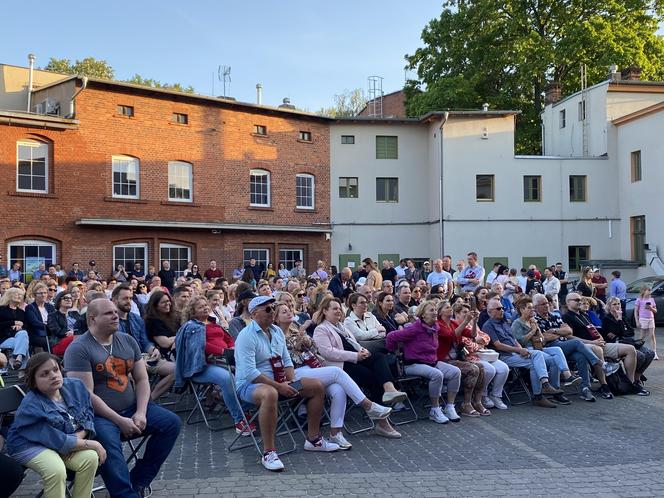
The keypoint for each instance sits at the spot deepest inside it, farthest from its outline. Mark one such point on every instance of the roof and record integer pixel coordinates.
(630, 86)
(646, 111)
(427, 118)
(224, 102)
(25, 118)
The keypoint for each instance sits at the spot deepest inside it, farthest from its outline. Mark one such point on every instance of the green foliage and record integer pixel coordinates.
(139, 80)
(347, 104)
(504, 52)
(86, 67)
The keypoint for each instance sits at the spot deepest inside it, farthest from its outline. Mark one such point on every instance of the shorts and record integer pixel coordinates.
(646, 323)
(246, 392)
(611, 350)
(153, 369)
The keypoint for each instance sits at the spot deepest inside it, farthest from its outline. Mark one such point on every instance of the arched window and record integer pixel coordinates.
(126, 176)
(32, 158)
(259, 187)
(29, 254)
(304, 191)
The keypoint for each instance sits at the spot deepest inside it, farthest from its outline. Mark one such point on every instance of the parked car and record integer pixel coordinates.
(633, 290)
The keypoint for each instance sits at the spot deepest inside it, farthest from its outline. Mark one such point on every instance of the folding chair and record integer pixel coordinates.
(286, 415)
(405, 383)
(201, 392)
(517, 385)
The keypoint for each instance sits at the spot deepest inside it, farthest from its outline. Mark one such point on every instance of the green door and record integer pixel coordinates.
(538, 261)
(351, 261)
(488, 262)
(389, 257)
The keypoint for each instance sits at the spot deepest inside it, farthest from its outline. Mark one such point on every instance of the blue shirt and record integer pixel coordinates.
(436, 278)
(470, 273)
(500, 331)
(618, 289)
(253, 352)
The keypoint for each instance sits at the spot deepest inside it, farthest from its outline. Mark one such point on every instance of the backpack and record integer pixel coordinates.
(618, 382)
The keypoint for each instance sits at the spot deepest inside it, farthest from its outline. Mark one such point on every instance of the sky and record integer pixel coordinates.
(308, 51)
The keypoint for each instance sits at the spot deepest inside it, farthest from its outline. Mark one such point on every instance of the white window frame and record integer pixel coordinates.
(266, 261)
(174, 246)
(187, 174)
(292, 263)
(130, 160)
(30, 242)
(33, 144)
(305, 176)
(144, 262)
(264, 173)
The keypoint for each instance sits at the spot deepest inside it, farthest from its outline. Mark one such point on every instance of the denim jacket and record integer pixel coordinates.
(137, 331)
(190, 351)
(38, 422)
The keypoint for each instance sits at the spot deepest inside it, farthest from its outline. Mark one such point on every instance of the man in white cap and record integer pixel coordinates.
(265, 373)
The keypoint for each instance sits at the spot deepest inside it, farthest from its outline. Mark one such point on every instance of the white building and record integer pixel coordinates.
(449, 183)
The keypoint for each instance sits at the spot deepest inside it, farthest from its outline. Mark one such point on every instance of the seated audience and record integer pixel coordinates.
(385, 313)
(63, 323)
(13, 335)
(54, 430)
(104, 360)
(242, 317)
(36, 317)
(364, 326)
(161, 323)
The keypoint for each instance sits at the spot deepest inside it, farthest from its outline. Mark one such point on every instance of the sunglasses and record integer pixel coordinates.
(576, 300)
(52, 289)
(300, 295)
(269, 309)
(66, 298)
(498, 309)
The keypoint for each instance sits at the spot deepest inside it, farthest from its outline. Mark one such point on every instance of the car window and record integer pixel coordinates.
(635, 287)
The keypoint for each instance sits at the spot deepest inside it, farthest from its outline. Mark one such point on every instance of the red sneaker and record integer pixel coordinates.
(241, 428)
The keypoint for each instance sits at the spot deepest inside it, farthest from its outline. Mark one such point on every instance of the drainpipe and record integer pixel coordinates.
(84, 79)
(440, 186)
(31, 59)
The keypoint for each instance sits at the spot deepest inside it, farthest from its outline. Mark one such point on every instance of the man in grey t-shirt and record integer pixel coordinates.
(111, 367)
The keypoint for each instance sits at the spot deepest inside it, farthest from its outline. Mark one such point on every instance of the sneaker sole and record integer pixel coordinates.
(397, 399)
(274, 470)
(575, 382)
(438, 422)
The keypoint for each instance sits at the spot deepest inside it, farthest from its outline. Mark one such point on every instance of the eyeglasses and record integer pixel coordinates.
(300, 295)
(497, 309)
(575, 300)
(66, 298)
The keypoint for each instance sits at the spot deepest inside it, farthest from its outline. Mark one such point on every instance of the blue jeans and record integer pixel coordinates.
(162, 425)
(581, 354)
(19, 344)
(541, 366)
(214, 374)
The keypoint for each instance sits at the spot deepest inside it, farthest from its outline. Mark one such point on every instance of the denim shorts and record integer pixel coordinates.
(246, 392)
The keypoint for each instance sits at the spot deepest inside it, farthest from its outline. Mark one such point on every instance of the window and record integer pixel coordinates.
(348, 187)
(179, 181)
(577, 254)
(262, 257)
(348, 139)
(304, 191)
(29, 254)
(387, 190)
(180, 118)
(582, 110)
(305, 136)
(125, 110)
(387, 147)
(260, 130)
(562, 118)
(484, 188)
(637, 225)
(178, 255)
(289, 256)
(32, 166)
(532, 188)
(577, 188)
(125, 177)
(259, 187)
(128, 254)
(636, 166)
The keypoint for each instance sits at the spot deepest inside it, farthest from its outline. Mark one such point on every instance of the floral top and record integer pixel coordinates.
(301, 347)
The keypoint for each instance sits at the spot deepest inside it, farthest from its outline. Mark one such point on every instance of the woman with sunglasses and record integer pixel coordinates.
(195, 273)
(63, 323)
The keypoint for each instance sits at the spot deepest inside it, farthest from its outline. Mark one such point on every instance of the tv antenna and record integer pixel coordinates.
(224, 74)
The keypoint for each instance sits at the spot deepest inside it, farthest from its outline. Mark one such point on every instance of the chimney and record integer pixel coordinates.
(485, 107)
(286, 104)
(259, 94)
(614, 74)
(631, 73)
(31, 60)
(552, 93)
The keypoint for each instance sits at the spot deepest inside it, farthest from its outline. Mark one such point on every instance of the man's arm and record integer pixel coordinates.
(141, 386)
(499, 346)
(99, 406)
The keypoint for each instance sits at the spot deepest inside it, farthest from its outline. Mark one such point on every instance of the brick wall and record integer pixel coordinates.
(218, 142)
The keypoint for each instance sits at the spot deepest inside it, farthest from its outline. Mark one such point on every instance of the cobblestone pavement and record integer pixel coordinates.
(607, 448)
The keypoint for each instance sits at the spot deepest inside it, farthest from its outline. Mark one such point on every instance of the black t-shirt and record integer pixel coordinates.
(389, 274)
(167, 278)
(534, 285)
(581, 325)
(584, 289)
(561, 275)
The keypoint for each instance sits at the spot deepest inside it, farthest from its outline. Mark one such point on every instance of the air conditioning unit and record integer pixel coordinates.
(48, 106)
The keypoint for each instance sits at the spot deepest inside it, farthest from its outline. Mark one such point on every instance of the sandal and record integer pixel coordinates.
(479, 408)
(469, 411)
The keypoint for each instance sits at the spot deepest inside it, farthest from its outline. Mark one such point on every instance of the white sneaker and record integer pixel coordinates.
(378, 412)
(390, 398)
(321, 444)
(610, 368)
(436, 414)
(398, 407)
(450, 412)
(497, 402)
(486, 402)
(272, 462)
(341, 441)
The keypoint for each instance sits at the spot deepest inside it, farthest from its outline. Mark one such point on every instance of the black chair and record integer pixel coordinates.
(516, 385)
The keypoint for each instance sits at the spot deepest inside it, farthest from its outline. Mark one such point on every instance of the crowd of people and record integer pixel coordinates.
(329, 335)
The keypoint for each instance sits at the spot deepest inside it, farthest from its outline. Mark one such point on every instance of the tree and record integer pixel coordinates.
(504, 52)
(139, 80)
(86, 67)
(346, 104)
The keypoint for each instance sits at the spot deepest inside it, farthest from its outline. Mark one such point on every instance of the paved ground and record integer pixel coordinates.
(607, 448)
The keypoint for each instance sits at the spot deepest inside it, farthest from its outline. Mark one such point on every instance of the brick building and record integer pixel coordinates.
(140, 174)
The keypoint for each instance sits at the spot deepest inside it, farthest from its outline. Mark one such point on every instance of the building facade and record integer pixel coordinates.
(136, 174)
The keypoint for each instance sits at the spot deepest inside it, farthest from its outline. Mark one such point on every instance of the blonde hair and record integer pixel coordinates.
(643, 290)
(189, 311)
(7, 297)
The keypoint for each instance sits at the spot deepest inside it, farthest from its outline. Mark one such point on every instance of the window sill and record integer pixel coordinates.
(176, 203)
(32, 194)
(122, 116)
(258, 135)
(172, 123)
(261, 208)
(305, 141)
(305, 210)
(121, 199)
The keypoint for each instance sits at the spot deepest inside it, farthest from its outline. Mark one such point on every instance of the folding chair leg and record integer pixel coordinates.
(351, 407)
(410, 408)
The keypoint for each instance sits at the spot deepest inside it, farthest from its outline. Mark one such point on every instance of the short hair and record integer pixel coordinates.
(489, 302)
(180, 289)
(460, 305)
(419, 312)
(473, 254)
(616, 274)
(354, 298)
(188, 312)
(34, 363)
(522, 302)
(120, 288)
